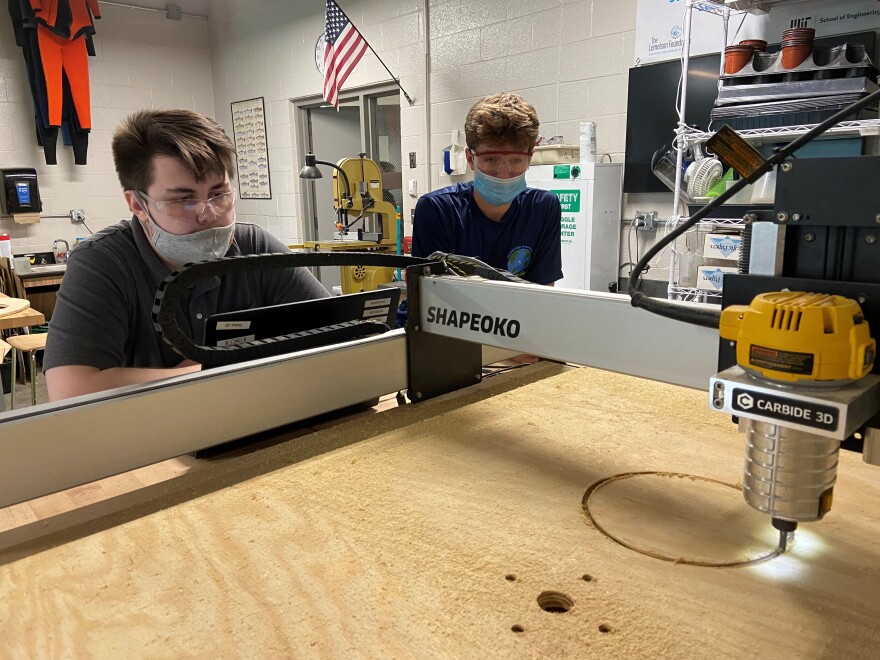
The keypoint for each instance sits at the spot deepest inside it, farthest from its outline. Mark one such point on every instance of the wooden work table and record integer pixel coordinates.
(22, 319)
(430, 530)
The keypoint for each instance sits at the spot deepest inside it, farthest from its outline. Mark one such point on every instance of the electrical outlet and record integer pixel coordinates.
(646, 220)
(77, 216)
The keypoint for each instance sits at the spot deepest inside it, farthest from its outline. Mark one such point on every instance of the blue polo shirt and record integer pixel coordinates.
(527, 241)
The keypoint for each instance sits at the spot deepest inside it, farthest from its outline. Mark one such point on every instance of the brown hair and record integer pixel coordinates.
(502, 117)
(198, 141)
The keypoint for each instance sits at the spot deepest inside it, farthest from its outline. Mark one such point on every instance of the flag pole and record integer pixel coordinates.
(397, 81)
(393, 77)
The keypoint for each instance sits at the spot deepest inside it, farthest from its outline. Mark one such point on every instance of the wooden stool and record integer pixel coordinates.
(29, 345)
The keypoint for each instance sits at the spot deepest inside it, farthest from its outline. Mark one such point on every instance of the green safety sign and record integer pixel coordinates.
(569, 199)
(569, 228)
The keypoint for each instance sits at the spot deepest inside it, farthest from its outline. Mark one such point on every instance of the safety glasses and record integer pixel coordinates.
(495, 163)
(187, 208)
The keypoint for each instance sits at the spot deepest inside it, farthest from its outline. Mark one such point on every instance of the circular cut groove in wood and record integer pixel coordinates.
(555, 602)
(680, 518)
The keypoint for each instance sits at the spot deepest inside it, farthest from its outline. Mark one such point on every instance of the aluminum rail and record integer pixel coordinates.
(582, 327)
(52, 447)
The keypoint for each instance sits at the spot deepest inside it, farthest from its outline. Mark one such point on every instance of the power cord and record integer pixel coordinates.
(637, 221)
(88, 229)
(489, 371)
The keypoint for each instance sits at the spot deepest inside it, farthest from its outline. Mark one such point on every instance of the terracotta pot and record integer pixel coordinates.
(793, 55)
(808, 33)
(758, 44)
(736, 57)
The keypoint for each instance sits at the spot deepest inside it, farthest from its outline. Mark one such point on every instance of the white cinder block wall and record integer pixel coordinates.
(570, 59)
(143, 60)
(267, 49)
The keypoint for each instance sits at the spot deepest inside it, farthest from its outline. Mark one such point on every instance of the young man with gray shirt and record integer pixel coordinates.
(175, 168)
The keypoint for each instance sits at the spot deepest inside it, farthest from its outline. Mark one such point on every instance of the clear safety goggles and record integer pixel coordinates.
(495, 163)
(187, 208)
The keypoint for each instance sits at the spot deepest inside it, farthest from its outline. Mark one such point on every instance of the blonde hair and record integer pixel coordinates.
(502, 117)
(198, 141)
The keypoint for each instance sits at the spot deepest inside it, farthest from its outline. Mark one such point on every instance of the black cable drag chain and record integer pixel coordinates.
(173, 287)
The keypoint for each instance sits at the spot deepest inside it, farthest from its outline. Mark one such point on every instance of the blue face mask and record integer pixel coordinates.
(498, 192)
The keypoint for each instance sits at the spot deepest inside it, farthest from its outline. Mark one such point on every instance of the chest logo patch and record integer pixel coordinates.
(519, 259)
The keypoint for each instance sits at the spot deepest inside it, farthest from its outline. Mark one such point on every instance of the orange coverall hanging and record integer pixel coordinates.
(61, 26)
(67, 18)
(58, 53)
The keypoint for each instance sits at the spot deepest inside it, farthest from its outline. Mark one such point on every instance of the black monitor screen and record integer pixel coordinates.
(231, 328)
(651, 119)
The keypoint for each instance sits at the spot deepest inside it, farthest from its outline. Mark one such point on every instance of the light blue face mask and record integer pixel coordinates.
(498, 192)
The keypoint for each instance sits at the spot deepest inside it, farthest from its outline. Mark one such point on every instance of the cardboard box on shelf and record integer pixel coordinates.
(722, 246)
(711, 278)
(555, 154)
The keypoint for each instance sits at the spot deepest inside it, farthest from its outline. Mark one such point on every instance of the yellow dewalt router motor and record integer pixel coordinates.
(800, 337)
(802, 384)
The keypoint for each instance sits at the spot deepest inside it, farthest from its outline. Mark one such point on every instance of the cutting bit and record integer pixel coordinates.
(786, 532)
(783, 541)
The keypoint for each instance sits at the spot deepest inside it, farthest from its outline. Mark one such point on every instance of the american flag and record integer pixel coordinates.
(343, 49)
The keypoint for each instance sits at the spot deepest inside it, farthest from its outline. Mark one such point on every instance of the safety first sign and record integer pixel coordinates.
(570, 201)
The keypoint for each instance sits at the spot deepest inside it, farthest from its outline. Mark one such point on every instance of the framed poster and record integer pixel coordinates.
(249, 132)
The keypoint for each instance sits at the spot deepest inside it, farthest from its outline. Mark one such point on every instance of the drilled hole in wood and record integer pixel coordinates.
(555, 602)
(604, 628)
(586, 577)
(517, 628)
(510, 577)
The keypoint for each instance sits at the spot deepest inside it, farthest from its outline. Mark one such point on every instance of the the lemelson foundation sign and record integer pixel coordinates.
(660, 25)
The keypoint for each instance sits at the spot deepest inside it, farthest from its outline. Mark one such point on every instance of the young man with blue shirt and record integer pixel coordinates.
(496, 218)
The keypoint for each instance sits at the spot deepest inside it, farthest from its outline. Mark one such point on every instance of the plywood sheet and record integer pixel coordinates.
(435, 537)
(10, 306)
(680, 518)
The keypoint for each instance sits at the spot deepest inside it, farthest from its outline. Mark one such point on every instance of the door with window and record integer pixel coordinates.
(366, 122)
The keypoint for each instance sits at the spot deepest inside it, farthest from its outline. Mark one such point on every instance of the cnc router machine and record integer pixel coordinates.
(436, 536)
(794, 363)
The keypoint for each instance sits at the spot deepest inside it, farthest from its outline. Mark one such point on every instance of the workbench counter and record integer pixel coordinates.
(431, 530)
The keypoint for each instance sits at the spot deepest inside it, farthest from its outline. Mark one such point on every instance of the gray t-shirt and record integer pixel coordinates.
(102, 316)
